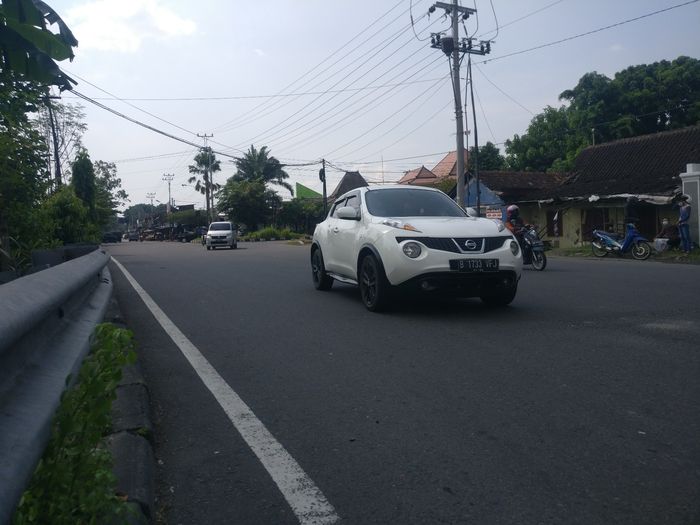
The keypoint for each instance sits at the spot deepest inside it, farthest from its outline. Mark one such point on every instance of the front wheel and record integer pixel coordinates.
(598, 249)
(539, 261)
(641, 250)
(374, 287)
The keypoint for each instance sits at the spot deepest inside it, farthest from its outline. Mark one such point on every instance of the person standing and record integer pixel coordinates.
(683, 226)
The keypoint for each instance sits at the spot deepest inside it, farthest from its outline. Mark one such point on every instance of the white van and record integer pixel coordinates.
(221, 234)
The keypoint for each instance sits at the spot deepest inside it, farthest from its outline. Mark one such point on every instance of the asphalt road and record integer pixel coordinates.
(579, 403)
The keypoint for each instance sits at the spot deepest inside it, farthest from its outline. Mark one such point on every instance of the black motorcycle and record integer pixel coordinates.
(533, 248)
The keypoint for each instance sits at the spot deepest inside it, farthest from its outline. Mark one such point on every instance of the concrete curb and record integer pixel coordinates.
(131, 440)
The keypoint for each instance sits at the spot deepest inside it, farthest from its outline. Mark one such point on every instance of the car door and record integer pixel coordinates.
(346, 234)
(329, 247)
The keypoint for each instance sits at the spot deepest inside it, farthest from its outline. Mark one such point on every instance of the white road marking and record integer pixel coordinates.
(306, 500)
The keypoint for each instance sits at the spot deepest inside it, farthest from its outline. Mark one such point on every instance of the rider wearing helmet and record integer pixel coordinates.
(514, 222)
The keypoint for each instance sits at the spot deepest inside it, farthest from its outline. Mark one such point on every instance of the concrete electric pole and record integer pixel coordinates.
(454, 47)
(168, 177)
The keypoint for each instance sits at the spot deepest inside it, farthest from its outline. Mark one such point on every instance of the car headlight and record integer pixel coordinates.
(400, 225)
(411, 249)
(500, 224)
(514, 247)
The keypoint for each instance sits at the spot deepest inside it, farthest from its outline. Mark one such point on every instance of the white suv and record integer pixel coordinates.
(221, 234)
(413, 237)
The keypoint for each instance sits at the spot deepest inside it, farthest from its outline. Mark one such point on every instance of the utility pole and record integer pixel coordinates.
(322, 176)
(208, 184)
(168, 177)
(151, 196)
(454, 47)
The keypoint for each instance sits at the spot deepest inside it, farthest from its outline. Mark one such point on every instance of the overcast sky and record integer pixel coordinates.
(354, 84)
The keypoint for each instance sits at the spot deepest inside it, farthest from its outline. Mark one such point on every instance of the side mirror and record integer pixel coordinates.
(348, 213)
(471, 212)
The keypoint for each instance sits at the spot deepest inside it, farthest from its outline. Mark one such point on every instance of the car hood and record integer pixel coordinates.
(449, 226)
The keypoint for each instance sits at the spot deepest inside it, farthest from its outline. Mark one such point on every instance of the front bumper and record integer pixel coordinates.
(219, 241)
(433, 267)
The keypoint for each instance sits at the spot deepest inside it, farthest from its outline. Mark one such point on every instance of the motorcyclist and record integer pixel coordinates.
(514, 222)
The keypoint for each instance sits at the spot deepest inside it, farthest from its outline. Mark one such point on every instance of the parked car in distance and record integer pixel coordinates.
(409, 237)
(133, 236)
(221, 233)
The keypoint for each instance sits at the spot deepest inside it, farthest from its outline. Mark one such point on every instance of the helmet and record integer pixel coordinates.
(512, 211)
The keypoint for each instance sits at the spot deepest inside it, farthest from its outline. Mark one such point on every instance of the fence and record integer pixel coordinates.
(46, 320)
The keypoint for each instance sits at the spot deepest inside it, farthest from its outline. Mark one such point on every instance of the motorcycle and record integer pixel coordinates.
(604, 243)
(533, 248)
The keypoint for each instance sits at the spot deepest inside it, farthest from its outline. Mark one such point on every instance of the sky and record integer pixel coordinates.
(356, 83)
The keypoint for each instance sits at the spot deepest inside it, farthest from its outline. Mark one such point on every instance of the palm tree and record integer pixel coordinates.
(260, 165)
(205, 165)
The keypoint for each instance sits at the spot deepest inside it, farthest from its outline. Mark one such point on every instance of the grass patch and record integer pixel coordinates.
(73, 482)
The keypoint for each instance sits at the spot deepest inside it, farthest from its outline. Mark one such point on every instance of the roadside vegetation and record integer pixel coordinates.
(73, 482)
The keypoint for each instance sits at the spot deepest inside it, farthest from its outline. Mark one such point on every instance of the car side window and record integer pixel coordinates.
(353, 201)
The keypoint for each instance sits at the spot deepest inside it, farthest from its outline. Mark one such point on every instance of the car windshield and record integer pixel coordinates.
(411, 203)
(220, 226)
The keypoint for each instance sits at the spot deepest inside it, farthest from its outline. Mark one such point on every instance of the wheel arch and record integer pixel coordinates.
(365, 250)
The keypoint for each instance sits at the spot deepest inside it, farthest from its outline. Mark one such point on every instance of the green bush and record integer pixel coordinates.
(270, 233)
(74, 483)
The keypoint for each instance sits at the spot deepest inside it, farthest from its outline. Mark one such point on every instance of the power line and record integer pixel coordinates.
(226, 125)
(139, 123)
(276, 127)
(502, 92)
(567, 39)
(523, 17)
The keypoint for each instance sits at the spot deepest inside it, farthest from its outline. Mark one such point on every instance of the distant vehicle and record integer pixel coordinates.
(112, 237)
(186, 236)
(133, 236)
(201, 231)
(221, 234)
(418, 238)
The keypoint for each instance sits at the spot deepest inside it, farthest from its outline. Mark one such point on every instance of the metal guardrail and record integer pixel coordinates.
(46, 320)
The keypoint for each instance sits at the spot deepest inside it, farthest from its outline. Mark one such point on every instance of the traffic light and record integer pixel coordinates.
(322, 175)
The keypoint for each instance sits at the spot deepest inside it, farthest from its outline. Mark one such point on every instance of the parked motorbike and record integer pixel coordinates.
(533, 248)
(604, 243)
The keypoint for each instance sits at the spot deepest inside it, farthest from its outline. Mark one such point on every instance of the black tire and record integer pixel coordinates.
(322, 281)
(500, 298)
(375, 289)
(208, 247)
(539, 261)
(234, 246)
(641, 250)
(598, 249)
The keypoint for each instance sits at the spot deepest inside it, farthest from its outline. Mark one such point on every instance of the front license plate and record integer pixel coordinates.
(474, 265)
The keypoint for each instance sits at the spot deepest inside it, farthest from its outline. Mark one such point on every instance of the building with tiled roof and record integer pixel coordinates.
(447, 167)
(420, 176)
(645, 166)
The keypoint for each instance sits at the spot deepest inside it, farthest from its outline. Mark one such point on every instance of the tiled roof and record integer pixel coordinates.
(514, 186)
(418, 176)
(648, 164)
(350, 181)
(518, 186)
(447, 167)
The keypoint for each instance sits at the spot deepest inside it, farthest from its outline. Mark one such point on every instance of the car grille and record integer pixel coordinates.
(449, 244)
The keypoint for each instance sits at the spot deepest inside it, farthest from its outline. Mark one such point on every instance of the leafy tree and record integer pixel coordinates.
(66, 218)
(24, 180)
(109, 194)
(301, 215)
(205, 166)
(248, 202)
(642, 99)
(69, 123)
(83, 182)
(29, 48)
(490, 157)
(259, 165)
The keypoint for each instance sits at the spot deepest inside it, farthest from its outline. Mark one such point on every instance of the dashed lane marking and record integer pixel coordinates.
(306, 500)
